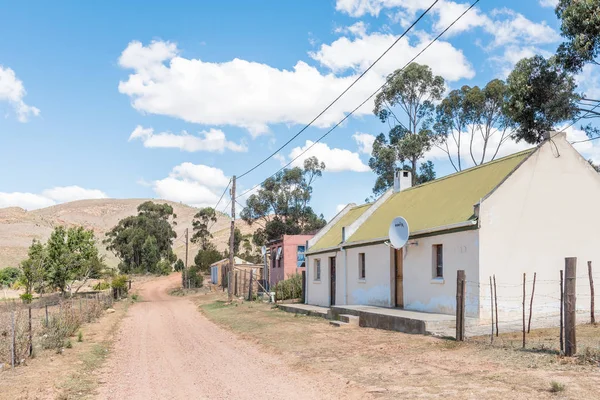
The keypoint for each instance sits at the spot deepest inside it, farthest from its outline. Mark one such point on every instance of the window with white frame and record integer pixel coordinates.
(317, 269)
(438, 261)
(362, 271)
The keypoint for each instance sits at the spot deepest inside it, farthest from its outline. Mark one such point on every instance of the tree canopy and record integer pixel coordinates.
(282, 203)
(541, 94)
(408, 96)
(580, 26)
(144, 242)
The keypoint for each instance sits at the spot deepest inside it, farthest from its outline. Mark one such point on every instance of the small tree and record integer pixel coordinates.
(35, 268)
(179, 265)
(203, 218)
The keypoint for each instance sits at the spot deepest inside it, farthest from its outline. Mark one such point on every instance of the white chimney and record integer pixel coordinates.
(402, 180)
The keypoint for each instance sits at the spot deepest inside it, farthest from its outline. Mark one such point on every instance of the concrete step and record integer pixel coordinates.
(339, 324)
(349, 319)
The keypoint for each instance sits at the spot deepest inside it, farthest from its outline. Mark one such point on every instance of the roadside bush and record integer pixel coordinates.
(9, 275)
(179, 265)
(120, 284)
(290, 288)
(102, 285)
(67, 322)
(195, 276)
(164, 267)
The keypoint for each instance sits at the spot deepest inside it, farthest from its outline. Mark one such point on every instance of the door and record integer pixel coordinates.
(399, 278)
(332, 280)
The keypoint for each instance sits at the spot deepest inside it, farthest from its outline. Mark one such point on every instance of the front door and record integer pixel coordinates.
(332, 279)
(399, 278)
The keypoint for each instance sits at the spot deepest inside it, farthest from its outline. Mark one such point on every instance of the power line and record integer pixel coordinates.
(341, 94)
(364, 102)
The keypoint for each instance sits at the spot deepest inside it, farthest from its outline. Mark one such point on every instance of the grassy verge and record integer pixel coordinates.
(82, 383)
(396, 365)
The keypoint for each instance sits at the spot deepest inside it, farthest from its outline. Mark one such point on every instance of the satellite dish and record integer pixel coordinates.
(398, 232)
(263, 250)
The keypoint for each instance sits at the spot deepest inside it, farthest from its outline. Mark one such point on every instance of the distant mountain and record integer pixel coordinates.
(19, 227)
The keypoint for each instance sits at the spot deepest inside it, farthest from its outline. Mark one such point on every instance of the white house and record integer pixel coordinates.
(519, 214)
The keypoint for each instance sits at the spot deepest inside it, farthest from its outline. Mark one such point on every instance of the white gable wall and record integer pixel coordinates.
(318, 291)
(548, 209)
(424, 293)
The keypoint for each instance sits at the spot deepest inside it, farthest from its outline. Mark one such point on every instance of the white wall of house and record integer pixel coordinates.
(318, 291)
(423, 292)
(375, 289)
(548, 209)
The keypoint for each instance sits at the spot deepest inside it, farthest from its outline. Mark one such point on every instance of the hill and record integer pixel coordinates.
(19, 227)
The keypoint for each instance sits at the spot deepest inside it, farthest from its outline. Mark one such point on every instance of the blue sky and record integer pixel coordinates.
(149, 99)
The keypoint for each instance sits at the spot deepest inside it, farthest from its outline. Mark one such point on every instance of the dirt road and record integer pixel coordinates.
(168, 350)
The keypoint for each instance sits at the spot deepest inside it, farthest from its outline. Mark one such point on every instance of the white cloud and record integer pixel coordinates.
(48, 197)
(13, 91)
(505, 63)
(212, 140)
(516, 29)
(548, 3)
(194, 184)
(588, 81)
(507, 26)
(237, 93)
(63, 194)
(365, 142)
(359, 52)
(336, 160)
(253, 96)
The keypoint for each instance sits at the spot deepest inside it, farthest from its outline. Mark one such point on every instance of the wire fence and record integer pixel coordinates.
(45, 323)
(531, 314)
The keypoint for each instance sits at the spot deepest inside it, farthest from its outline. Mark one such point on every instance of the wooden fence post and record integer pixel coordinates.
(570, 309)
(524, 278)
(250, 286)
(30, 333)
(592, 317)
(13, 346)
(303, 294)
(562, 318)
(531, 303)
(492, 309)
(496, 303)
(460, 305)
(47, 316)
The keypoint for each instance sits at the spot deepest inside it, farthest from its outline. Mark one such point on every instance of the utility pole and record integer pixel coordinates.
(231, 241)
(186, 257)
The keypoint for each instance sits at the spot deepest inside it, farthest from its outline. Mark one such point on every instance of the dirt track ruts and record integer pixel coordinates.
(168, 350)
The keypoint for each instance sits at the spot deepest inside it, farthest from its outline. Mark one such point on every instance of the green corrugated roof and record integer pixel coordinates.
(444, 201)
(333, 236)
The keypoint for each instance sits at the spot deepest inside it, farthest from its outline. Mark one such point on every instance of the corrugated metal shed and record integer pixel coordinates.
(444, 201)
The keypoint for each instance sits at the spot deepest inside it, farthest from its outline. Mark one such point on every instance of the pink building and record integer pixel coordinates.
(286, 256)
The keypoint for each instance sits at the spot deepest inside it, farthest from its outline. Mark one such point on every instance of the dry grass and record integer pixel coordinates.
(396, 365)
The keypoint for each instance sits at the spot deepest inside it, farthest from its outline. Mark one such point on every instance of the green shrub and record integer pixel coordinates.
(9, 275)
(556, 387)
(290, 288)
(164, 267)
(68, 344)
(120, 284)
(80, 337)
(26, 297)
(195, 277)
(102, 285)
(179, 265)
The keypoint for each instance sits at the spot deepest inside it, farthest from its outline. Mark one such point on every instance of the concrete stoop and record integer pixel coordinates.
(349, 319)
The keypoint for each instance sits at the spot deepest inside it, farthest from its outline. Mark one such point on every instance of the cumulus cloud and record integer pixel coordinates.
(48, 197)
(588, 149)
(13, 91)
(549, 3)
(512, 54)
(193, 184)
(365, 142)
(358, 52)
(212, 140)
(253, 96)
(506, 26)
(336, 160)
(588, 81)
